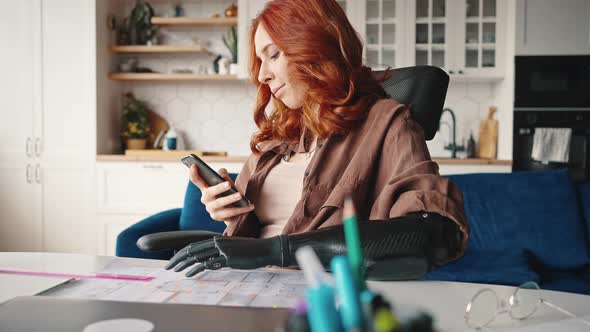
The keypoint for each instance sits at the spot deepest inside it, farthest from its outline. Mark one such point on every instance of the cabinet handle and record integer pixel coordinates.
(38, 146)
(460, 72)
(451, 72)
(153, 166)
(28, 174)
(38, 173)
(28, 147)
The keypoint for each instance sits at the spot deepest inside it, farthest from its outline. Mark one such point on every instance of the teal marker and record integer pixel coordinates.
(351, 312)
(353, 244)
(321, 306)
(321, 310)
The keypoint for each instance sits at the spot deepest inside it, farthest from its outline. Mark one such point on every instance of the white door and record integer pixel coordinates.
(66, 134)
(18, 231)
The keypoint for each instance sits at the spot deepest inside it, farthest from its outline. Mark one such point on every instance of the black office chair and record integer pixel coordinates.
(422, 88)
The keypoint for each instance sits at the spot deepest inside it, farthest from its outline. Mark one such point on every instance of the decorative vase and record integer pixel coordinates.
(136, 143)
(233, 68)
(231, 11)
(224, 66)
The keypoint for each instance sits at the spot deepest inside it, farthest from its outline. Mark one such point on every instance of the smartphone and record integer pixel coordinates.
(211, 177)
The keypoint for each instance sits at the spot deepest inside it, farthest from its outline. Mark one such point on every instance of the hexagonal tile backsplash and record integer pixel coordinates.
(217, 116)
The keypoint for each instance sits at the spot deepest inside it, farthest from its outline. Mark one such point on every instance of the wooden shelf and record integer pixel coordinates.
(194, 20)
(168, 158)
(156, 153)
(169, 77)
(158, 49)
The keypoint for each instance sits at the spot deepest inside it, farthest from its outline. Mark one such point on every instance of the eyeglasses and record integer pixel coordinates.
(486, 305)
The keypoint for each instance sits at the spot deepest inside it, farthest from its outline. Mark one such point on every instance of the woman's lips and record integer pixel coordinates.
(278, 89)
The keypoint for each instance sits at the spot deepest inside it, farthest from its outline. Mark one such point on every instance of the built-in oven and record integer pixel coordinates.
(552, 93)
(527, 122)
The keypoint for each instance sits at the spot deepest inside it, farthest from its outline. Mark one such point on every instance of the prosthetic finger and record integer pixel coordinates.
(197, 269)
(184, 264)
(198, 257)
(189, 251)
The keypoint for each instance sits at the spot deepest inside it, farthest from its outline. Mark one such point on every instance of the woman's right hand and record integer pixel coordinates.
(219, 207)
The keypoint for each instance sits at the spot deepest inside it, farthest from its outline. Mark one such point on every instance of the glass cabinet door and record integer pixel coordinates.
(431, 33)
(381, 25)
(480, 34)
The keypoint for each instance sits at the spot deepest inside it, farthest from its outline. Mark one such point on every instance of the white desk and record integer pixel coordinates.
(445, 300)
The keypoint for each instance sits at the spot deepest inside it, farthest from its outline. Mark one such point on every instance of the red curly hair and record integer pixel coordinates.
(326, 53)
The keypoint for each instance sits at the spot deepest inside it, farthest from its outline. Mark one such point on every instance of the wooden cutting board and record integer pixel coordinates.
(488, 136)
(173, 153)
(157, 125)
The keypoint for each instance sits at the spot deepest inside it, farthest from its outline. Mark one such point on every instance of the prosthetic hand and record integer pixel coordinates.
(397, 249)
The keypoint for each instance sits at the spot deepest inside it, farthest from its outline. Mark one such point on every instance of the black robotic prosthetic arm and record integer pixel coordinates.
(397, 249)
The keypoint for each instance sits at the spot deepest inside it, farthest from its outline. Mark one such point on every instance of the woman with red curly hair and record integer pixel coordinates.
(332, 133)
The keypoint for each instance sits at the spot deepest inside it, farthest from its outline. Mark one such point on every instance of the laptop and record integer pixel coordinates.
(12, 285)
(48, 314)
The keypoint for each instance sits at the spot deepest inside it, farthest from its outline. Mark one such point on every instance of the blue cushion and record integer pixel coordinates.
(567, 281)
(493, 267)
(165, 221)
(533, 212)
(194, 216)
(584, 195)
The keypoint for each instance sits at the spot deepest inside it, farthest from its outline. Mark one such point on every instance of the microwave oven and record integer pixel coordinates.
(552, 82)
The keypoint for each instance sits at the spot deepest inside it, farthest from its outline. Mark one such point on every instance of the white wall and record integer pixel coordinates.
(213, 116)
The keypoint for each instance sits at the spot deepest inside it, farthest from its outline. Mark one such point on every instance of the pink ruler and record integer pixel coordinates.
(79, 276)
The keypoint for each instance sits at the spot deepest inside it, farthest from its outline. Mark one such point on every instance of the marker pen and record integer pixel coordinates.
(350, 307)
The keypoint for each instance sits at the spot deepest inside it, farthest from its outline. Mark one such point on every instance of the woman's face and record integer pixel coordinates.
(274, 71)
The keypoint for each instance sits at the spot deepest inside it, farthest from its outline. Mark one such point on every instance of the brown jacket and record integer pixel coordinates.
(383, 164)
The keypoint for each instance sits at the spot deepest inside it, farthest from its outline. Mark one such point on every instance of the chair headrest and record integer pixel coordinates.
(423, 89)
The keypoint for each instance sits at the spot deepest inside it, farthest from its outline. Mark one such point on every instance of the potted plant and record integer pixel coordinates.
(231, 42)
(135, 124)
(141, 29)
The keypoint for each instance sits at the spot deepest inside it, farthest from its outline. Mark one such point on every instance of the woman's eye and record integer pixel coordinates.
(275, 56)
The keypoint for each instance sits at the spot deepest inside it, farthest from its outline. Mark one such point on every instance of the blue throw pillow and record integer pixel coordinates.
(533, 212)
(490, 267)
(194, 216)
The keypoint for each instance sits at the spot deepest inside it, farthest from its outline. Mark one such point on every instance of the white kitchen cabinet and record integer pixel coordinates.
(140, 187)
(50, 90)
(110, 227)
(382, 27)
(128, 192)
(18, 224)
(450, 169)
(549, 27)
(467, 38)
(380, 23)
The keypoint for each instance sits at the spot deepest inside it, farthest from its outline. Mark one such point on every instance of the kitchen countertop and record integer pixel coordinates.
(241, 159)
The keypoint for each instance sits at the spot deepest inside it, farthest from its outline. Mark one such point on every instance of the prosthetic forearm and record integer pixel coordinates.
(396, 249)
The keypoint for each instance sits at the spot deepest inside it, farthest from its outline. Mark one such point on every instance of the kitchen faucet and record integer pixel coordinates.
(453, 147)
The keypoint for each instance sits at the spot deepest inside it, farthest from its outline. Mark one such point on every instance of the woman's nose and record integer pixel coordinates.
(264, 75)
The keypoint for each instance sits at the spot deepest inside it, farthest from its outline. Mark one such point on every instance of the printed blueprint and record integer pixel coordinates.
(254, 288)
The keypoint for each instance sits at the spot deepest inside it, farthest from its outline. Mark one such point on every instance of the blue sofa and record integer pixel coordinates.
(524, 226)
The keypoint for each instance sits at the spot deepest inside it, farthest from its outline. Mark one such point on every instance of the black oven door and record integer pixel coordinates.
(552, 82)
(525, 123)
